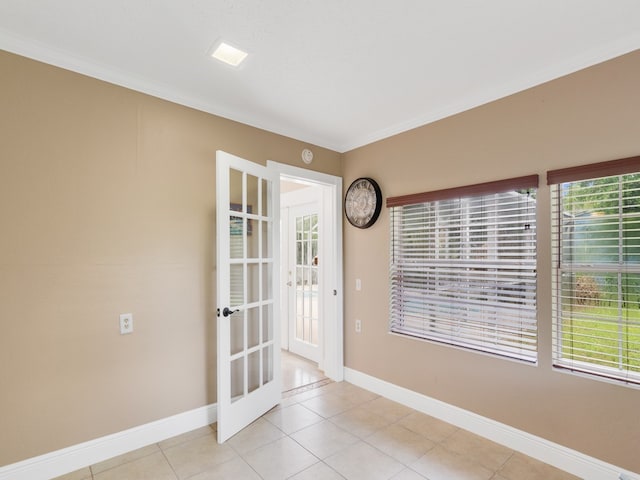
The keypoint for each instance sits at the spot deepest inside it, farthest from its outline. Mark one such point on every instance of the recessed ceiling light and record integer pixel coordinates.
(229, 54)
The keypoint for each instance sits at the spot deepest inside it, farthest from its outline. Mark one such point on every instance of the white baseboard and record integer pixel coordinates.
(569, 460)
(51, 465)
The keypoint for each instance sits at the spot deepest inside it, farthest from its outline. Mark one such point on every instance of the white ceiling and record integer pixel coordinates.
(335, 73)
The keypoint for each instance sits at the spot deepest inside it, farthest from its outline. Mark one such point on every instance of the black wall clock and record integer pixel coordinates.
(363, 202)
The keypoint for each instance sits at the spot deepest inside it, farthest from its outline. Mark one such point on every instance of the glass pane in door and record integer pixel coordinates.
(237, 376)
(254, 371)
(267, 364)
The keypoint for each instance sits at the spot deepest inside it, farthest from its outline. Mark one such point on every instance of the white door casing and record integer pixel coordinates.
(332, 353)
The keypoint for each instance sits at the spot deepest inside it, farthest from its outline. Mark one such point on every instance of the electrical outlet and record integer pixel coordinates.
(358, 326)
(126, 323)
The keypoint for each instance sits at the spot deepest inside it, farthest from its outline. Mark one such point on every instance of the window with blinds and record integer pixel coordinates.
(596, 259)
(463, 267)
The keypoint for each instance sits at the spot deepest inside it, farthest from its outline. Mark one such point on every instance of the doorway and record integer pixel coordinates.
(311, 276)
(301, 311)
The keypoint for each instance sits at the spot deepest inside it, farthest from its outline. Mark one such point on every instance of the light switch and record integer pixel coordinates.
(358, 284)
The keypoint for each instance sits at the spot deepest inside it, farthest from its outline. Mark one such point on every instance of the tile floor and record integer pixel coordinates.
(334, 431)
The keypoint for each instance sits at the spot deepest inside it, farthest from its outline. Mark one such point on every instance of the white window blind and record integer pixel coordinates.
(596, 258)
(463, 267)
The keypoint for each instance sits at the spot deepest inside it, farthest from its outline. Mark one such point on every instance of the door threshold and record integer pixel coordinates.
(306, 388)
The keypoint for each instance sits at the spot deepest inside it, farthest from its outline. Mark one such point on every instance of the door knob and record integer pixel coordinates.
(226, 311)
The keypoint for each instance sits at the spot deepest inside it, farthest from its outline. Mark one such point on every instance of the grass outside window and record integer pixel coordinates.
(604, 336)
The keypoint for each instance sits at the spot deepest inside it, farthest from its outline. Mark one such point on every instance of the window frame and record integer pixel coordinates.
(524, 305)
(558, 180)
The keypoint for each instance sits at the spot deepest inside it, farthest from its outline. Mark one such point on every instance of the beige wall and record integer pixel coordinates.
(107, 205)
(590, 116)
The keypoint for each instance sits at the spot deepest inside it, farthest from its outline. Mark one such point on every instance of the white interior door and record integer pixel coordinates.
(304, 281)
(248, 341)
(302, 241)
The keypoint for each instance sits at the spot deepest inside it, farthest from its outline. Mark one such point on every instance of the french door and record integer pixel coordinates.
(303, 283)
(248, 341)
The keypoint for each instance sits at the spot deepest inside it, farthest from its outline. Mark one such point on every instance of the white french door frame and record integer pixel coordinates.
(332, 351)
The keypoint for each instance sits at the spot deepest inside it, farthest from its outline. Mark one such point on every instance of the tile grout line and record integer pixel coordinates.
(168, 462)
(497, 472)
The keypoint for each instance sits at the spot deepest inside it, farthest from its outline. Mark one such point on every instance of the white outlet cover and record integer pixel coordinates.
(126, 323)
